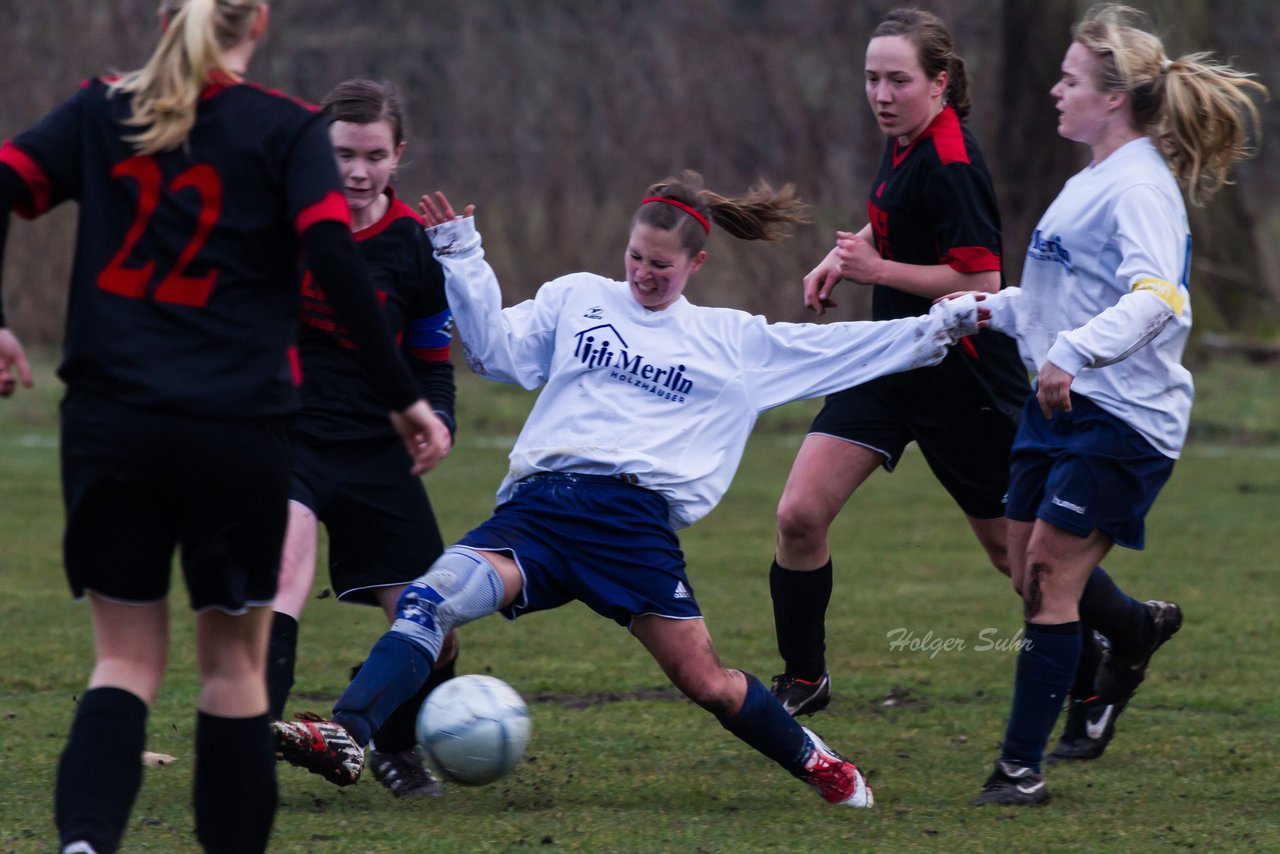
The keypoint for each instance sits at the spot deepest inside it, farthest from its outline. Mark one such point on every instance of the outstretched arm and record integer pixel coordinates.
(512, 345)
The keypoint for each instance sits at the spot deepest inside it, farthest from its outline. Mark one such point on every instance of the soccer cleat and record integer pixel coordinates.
(322, 747)
(404, 774)
(837, 779)
(1122, 671)
(1091, 723)
(1013, 785)
(802, 696)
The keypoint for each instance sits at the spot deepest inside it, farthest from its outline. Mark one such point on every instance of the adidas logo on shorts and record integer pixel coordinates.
(682, 592)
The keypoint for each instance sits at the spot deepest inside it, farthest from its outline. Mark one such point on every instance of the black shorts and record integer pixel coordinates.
(139, 484)
(382, 531)
(964, 436)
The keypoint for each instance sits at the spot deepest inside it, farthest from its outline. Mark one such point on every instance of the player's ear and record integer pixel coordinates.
(259, 28)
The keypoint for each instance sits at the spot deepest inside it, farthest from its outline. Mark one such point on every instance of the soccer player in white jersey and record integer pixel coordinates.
(647, 402)
(1103, 316)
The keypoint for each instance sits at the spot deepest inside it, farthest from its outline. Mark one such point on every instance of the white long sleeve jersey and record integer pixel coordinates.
(1104, 293)
(669, 396)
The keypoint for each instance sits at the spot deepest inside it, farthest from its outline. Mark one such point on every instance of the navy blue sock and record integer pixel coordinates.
(800, 602)
(1046, 669)
(394, 671)
(100, 771)
(766, 726)
(400, 731)
(1123, 619)
(235, 786)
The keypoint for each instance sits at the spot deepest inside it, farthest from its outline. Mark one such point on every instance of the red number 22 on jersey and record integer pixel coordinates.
(176, 287)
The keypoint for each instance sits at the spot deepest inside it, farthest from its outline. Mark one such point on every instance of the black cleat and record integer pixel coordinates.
(801, 696)
(403, 773)
(1091, 723)
(1122, 671)
(1014, 786)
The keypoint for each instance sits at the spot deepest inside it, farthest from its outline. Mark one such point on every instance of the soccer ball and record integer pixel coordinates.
(474, 729)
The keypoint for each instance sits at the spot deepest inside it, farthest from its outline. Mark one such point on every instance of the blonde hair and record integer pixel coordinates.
(761, 213)
(1198, 112)
(166, 90)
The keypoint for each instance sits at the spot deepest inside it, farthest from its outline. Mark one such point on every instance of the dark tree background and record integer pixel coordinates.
(554, 115)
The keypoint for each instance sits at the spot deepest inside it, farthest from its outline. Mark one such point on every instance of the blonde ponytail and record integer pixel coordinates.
(166, 90)
(1205, 122)
(1198, 112)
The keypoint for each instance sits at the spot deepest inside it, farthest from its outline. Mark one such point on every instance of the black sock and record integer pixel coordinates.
(282, 654)
(1090, 657)
(1122, 619)
(799, 618)
(100, 771)
(1046, 667)
(235, 783)
(400, 730)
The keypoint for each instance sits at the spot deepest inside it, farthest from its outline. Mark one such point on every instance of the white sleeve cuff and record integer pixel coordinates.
(456, 237)
(1067, 357)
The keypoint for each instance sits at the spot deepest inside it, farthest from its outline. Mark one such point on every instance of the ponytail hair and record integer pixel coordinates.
(166, 90)
(1198, 112)
(935, 51)
(761, 213)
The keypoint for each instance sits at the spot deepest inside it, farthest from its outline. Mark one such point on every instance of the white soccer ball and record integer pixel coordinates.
(474, 729)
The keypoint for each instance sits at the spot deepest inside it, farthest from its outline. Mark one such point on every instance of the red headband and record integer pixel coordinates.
(676, 203)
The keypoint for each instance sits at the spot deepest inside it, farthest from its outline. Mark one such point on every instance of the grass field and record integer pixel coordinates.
(618, 762)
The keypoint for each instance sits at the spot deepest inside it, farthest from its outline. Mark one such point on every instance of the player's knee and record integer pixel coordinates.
(1000, 560)
(797, 522)
(461, 586)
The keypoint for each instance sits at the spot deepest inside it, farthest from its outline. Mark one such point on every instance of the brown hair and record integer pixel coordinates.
(364, 102)
(935, 51)
(761, 213)
(1196, 110)
(166, 90)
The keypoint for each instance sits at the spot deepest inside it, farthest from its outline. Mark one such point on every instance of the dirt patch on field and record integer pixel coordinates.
(600, 698)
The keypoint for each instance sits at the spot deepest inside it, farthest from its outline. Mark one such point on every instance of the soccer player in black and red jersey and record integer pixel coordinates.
(197, 192)
(933, 224)
(349, 470)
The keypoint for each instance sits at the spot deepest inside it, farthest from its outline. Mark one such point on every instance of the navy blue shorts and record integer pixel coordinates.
(139, 485)
(1084, 470)
(381, 529)
(592, 538)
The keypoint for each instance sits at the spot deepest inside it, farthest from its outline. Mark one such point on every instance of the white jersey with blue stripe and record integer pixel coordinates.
(667, 398)
(1104, 293)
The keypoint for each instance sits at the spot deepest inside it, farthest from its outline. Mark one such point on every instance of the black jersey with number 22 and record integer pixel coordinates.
(184, 292)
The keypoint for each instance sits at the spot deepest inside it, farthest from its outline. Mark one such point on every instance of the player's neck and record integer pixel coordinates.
(367, 216)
